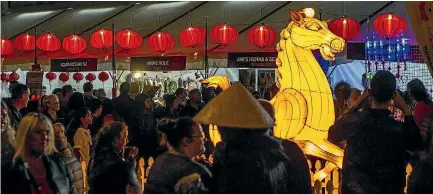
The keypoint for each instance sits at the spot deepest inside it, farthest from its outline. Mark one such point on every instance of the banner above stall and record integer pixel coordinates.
(74, 65)
(168, 63)
(252, 60)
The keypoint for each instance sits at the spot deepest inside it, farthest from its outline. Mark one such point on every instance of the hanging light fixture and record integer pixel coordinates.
(160, 42)
(129, 39)
(224, 34)
(345, 28)
(48, 42)
(389, 25)
(262, 36)
(102, 39)
(74, 44)
(25, 42)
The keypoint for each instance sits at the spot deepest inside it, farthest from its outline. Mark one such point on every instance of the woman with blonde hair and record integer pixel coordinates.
(8, 137)
(36, 167)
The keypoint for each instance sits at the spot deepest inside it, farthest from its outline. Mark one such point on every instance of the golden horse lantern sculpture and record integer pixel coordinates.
(304, 107)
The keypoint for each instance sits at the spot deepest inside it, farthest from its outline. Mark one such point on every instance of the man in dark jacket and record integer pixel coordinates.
(193, 104)
(19, 100)
(374, 159)
(127, 108)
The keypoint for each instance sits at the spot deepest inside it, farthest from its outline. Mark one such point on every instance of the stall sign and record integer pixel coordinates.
(34, 80)
(74, 65)
(168, 63)
(252, 60)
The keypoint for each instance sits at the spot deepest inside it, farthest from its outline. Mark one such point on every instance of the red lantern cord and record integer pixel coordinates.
(389, 25)
(262, 36)
(6, 47)
(160, 42)
(64, 77)
(90, 77)
(25, 42)
(128, 39)
(74, 44)
(78, 77)
(48, 42)
(224, 34)
(192, 36)
(102, 39)
(345, 28)
(14, 76)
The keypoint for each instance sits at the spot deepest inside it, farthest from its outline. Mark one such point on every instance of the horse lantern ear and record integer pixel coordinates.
(296, 17)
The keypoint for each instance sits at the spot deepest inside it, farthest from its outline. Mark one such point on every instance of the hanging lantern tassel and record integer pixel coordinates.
(50, 76)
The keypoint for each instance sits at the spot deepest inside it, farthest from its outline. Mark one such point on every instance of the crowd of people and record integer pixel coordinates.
(44, 141)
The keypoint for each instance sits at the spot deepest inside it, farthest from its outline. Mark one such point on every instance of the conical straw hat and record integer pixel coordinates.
(237, 108)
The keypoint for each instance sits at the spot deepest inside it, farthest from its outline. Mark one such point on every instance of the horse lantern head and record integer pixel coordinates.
(307, 32)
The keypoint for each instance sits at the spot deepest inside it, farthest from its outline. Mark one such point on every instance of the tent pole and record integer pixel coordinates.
(206, 66)
(113, 61)
(36, 50)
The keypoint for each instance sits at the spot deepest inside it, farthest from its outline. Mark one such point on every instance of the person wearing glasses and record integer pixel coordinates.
(185, 141)
(36, 168)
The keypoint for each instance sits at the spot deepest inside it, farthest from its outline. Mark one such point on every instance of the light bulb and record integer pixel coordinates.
(309, 12)
(344, 21)
(390, 17)
(159, 35)
(137, 75)
(261, 28)
(225, 27)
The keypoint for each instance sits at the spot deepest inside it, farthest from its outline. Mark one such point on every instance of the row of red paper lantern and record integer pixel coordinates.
(64, 77)
(14, 76)
(192, 36)
(388, 25)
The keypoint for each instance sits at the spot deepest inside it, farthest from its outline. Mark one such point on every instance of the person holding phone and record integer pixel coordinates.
(376, 143)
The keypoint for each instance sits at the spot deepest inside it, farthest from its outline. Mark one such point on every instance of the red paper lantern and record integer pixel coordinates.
(345, 28)
(102, 39)
(78, 76)
(389, 25)
(224, 34)
(4, 77)
(51, 76)
(192, 36)
(128, 39)
(48, 42)
(160, 41)
(103, 76)
(90, 77)
(74, 44)
(14, 76)
(262, 36)
(25, 42)
(64, 77)
(7, 47)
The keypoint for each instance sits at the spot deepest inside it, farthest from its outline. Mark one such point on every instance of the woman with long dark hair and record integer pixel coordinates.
(185, 141)
(146, 139)
(111, 141)
(423, 102)
(79, 135)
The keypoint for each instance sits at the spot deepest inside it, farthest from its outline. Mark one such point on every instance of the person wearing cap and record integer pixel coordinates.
(249, 160)
(375, 156)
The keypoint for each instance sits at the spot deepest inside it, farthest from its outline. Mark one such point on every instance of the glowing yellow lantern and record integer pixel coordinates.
(304, 108)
